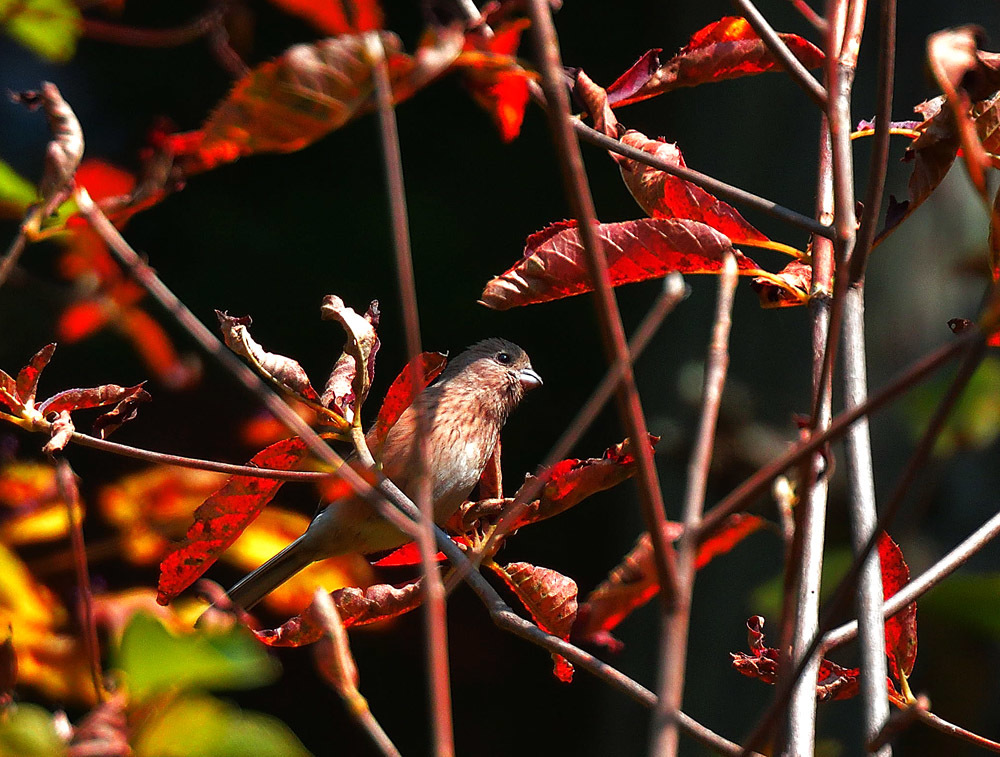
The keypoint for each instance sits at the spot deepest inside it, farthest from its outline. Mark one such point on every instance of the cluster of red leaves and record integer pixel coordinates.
(689, 230)
(835, 681)
(53, 414)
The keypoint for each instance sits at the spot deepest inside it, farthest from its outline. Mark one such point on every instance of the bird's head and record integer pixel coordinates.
(495, 363)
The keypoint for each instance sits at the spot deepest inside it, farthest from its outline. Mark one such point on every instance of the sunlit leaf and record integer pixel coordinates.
(726, 49)
(16, 192)
(154, 659)
(901, 628)
(787, 288)
(554, 264)
(49, 27)
(197, 725)
(336, 16)
(223, 517)
(497, 81)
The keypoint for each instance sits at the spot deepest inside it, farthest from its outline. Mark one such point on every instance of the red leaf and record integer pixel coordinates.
(400, 396)
(496, 80)
(221, 518)
(633, 582)
(81, 319)
(27, 377)
(8, 669)
(901, 628)
(726, 49)
(554, 264)
(8, 394)
(664, 196)
(82, 399)
(336, 16)
(356, 607)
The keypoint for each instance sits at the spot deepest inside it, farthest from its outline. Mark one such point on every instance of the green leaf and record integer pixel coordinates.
(967, 601)
(203, 726)
(49, 27)
(155, 659)
(975, 420)
(27, 730)
(16, 192)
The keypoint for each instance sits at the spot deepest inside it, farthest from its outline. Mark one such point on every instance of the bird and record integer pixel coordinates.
(463, 412)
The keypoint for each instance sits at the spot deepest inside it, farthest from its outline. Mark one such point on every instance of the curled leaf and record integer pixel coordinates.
(347, 388)
(27, 377)
(64, 151)
(787, 288)
(356, 607)
(61, 430)
(284, 372)
(554, 263)
(333, 653)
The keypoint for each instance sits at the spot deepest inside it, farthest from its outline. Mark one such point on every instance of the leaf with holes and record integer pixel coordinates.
(221, 518)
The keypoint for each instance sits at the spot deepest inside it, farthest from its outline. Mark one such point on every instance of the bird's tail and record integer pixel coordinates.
(253, 587)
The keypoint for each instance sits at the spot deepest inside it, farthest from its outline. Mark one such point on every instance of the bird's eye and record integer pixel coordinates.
(503, 358)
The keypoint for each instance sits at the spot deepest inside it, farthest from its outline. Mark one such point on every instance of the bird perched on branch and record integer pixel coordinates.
(463, 413)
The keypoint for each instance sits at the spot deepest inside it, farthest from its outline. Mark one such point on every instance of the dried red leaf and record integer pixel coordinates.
(569, 482)
(726, 49)
(548, 595)
(97, 396)
(312, 89)
(61, 430)
(27, 377)
(400, 396)
(901, 628)
(496, 80)
(633, 582)
(120, 414)
(554, 264)
(221, 518)
(787, 288)
(284, 372)
(664, 196)
(356, 607)
(832, 681)
(338, 16)
(347, 388)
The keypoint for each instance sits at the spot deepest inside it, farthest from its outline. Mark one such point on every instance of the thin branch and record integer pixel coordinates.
(880, 146)
(759, 483)
(923, 583)
(13, 254)
(435, 619)
(720, 189)
(799, 73)
(673, 646)
(612, 331)
(806, 11)
(70, 495)
(164, 458)
(119, 34)
(940, 724)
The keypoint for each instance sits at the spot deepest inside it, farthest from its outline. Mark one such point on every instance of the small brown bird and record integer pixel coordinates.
(464, 412)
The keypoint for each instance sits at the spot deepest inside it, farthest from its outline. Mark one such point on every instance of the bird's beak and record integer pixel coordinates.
(529, 379)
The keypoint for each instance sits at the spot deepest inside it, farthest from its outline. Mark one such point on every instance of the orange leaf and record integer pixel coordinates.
(554, 264)
(223, 517)
(787, 288)
(497, 81)
(726, 49)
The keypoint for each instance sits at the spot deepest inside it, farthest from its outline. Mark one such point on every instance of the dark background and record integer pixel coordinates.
(270, 235)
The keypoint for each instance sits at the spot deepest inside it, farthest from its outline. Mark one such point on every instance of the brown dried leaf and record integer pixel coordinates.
(64, 151)
(333, 653)
(27, 377)
(347, 388)
(356, 607)
(284, 372)
(61, 431)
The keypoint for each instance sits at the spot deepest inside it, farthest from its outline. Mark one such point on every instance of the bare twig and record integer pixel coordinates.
(940, 724)
(435, 620)
(612, 331)
(818, 22)
(799, 73)
(66, 481)
(119, 34)
(673, 646)
(13, 254)
(192, 462)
